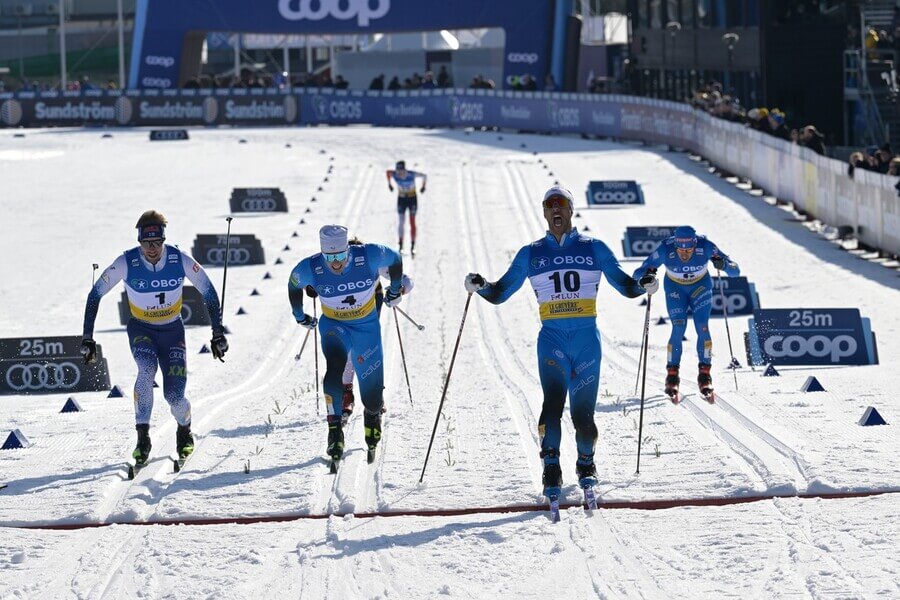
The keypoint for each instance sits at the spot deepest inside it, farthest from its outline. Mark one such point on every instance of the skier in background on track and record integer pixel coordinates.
(688, 284)
(406, 199)
(348, 399)
(345, 278)
(564, 268)
(153, 275)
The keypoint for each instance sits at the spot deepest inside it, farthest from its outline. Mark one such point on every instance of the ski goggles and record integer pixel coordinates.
(554, 201)
(148, 244)
(335, 256)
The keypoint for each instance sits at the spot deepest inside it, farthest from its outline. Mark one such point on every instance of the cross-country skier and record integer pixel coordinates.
(153, 274)
(564, 268)
(406, 199)
(687, 284)
(345, 277)
(348, 399)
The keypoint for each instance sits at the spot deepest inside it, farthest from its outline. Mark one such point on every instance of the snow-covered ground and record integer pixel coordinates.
(71, 198)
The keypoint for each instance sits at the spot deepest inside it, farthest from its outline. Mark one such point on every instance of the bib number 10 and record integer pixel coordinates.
(570, 280)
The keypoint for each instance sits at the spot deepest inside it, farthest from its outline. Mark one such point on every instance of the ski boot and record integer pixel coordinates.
(587, 479)
(412, 248)
(142, 450)
(704, 382)
(184, 441)
(400, 247)
(672, 382)
(335, 443)
(372, 429)
(552, 487)
(348, 401)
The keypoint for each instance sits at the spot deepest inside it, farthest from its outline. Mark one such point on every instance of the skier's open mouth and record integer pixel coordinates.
(557, 220)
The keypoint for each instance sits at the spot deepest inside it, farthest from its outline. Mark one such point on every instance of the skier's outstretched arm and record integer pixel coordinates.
(109, 278)
(721, 261)
(500, 291)
(619, 279)
(652, 262)
(196, 274)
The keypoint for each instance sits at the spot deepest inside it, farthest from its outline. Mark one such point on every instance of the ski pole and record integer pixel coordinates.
(225, 270)
(643, 384)
(305, 339)
(727, 329)
(316, 350)
(446, 383)
(94, 274)
(409, 318)
(403, 355)
(646, 335)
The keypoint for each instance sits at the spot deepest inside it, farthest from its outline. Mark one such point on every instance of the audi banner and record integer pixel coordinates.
(642, 241)
(247, 200)
(811, 337)
(614, 192)
(244, 249)
(193, 308)
(49, 365)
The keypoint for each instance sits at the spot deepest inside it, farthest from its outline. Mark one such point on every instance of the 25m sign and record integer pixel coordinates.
(811, 337)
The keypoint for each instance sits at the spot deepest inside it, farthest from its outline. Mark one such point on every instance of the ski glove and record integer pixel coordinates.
(422, 191)
(89, 350)
(474, 283)
(311, 292)
(649, 283)
(390, 187)
(392, 298)
(308, 321)
(218, 344)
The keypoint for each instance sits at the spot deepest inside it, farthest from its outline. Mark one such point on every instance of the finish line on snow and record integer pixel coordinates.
(626, 504)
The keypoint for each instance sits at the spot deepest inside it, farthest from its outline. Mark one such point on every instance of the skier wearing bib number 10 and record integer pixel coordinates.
(153, 274)
(564, 269)
(688, 284)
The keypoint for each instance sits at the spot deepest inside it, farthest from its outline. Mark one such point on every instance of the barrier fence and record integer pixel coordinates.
(817, 185)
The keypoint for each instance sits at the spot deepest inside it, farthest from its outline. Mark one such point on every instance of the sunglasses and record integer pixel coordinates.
(335, 256)
(153, 243)
(555, 201)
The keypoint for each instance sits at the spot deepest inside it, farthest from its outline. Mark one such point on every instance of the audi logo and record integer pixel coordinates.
(238, 256)
(258, 204)
(37, 376)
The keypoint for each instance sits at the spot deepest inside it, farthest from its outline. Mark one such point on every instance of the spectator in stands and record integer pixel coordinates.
(415, 82)
(340, 83)
(881, 159)
(871, 42)
(813, 139)
(894, 169)
(428, 82)
(756, 118)
(443, 77)
(394, 83)
(111, 85)
(377, 82)
(529, 84)
(776, 125)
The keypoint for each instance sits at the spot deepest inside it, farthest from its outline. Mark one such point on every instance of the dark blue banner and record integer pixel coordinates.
(811, 336)
(642, 241)
(614, 192)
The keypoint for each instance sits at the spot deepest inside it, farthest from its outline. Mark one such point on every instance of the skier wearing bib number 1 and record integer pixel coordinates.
(564, 269)
(153, 274)
(688, 284)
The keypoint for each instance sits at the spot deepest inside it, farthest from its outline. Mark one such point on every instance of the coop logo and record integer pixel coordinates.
(156, 82)
(11, 112)
(466, 112)
(528, 58)
(38, 376)
(337, 109)
(643, 247)
(734, 302)
(258, 204)
(562, 116)
(817, 346)
(166, 62)
(342, 10)
(608, 197)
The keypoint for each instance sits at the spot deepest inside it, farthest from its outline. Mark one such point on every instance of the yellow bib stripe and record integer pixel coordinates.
(565, 309)
(158, 315)
(351, 314)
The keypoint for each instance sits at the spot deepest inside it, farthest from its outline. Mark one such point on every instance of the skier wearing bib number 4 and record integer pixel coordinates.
(153, 275)
(564, 269)
(688, 284)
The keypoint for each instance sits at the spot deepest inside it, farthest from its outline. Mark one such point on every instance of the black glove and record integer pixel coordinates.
(218, 344)
(390, 187)
(311, 292)
(308, 321)
(422, 191)
(392, 298)
(718, 262)
(89, 350)
(649, 283)
(474, 282)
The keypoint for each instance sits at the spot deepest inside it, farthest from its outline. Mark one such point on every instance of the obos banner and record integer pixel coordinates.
(811, 336)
